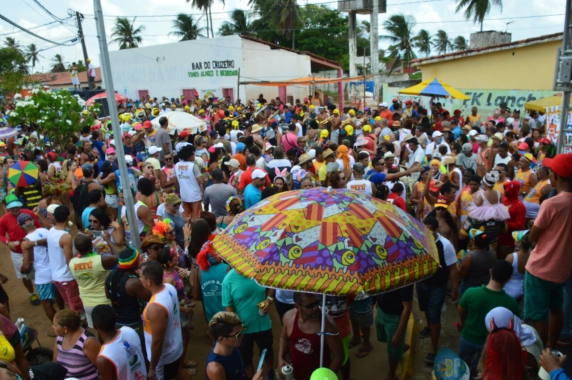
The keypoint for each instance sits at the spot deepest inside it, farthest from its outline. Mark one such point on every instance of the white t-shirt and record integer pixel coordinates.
(126, 354)
(42, 270)
(91, 70)
(500, 160)
(433, 148)
(60, 270)
(161, 210)
(448, 250)
(361, 186)
(187, 174)
(341, 163)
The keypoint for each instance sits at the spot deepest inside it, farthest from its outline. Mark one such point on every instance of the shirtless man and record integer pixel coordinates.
(335, 125)
(321, 117)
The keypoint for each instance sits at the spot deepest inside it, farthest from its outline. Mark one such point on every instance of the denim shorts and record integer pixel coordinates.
(431, 300)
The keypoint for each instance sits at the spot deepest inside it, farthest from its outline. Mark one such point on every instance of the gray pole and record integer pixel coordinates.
(563, 122)
(117, 133)
(83, 48)
(374, 48)
(352, 42)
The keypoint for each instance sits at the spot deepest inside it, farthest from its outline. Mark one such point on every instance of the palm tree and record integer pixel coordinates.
(32, 54)
(58, 64)
(203, 5)
(477, 9)
(125, 33)
(187, 28)
(441, 42)
(423, 42)
(460, 43)
(11, 43)
(400, 29)
(239, 24)
(284, 15)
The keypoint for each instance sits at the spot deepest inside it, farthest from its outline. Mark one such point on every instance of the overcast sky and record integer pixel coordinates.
(529, 19)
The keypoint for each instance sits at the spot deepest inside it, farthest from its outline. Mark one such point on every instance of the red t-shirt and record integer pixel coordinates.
(9, 223)
(397, 201)
(246, 178)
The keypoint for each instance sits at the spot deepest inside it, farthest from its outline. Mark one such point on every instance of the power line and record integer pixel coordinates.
(48, 12)
(26, 30)
(32, 28)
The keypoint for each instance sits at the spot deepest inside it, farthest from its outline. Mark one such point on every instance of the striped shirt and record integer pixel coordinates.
(75, 361)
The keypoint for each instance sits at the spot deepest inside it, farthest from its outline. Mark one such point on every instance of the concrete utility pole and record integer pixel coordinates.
(352, 40)
(79, 17)
(374, 48)
(108, 80)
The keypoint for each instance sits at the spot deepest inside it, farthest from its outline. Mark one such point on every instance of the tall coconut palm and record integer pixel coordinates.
(187, 28)
(239, 24)
(423, 42)
(58, 64)
(477, 9)
(32, 54)
(441, 42)
(11, 43)
(125, 33)
(203, 6)
(284, 15)
(460, 43)
(399, 28)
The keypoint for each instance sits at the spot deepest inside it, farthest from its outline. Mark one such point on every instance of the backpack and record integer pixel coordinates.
(80, 200)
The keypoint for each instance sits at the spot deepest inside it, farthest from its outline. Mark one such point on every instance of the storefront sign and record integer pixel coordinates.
(213, 69)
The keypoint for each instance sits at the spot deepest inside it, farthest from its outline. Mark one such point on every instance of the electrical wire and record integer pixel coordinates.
(26, 30)
(32, 28)
(48, 12)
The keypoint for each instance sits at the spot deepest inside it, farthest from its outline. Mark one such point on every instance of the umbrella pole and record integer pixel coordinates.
(322, 335)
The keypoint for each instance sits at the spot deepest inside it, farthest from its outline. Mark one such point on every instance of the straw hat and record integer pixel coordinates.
(256, 128)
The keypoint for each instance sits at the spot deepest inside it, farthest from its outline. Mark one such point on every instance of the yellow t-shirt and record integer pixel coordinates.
(474, 119)
(499, 187)
(90, 276)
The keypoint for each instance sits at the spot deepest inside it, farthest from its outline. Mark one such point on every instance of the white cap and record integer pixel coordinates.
(219, 145)
(483, 138)
(233, 162)
(128, 159)
(436, 134)
(154, 149)
(388, 155)
(181, 145)
(131, 133)
(312, 153)
(258, 174)
(384, 104)
(112, 142)
(473, 133)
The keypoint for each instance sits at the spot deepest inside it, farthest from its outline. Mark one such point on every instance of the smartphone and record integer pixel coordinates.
(97, 233)
(261, 361)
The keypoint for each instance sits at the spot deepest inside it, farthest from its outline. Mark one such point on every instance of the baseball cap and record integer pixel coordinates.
(544, 140)
(472, 133)
(258, 174)
(154, 149)
(128, 159)
(358, 167)
(172, 199)
(14, 203)
(112, 142)
(24, 218)
(561, 164)
(384, 104)
(240, 147)
(441, 202)
(332, 167)
(184, 133)
(499, 136)
(87, 167)
(110, 151)
(409, 101)
(436, 134)
(483, 138)
(233, 162)
(147, 124)
(523, 146)
(52, 208)
(51, 156)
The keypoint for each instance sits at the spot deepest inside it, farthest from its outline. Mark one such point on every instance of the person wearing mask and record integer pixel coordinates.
(217, 194)
(121, 355)
(300, 341)
(161, 324)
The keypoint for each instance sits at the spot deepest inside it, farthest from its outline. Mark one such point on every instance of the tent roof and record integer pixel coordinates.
(306, 81)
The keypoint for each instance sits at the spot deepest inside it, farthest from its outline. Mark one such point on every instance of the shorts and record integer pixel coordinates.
(540, 296)
(263, 341)
(168, 371)
(46, 292)
(531, 209)
(431, 300)
(15, 339)
(18, 260)
(70, 293)
(363, 319)
(192, 209)
(112, 200)
(386, 325)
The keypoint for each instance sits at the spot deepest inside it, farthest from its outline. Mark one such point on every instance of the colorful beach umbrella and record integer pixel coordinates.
(119, 98)
(23, 173)
(7, 132)
(336, 242)
(434, 87)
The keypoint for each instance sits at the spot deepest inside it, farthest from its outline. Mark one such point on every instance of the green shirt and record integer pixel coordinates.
(478, 302)
(244, 295)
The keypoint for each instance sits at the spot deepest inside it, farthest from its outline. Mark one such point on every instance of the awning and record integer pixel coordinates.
(307, 81)
(540, 105)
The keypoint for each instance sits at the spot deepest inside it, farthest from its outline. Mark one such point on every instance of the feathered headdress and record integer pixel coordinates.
(162, 228)
(207, 256)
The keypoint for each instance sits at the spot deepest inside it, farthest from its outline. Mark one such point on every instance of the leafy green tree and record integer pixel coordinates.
(58, 115)
(32, 55)
(423, 42)
(58, 65)
(400, 28)
(284, 16)
(11, 42)
(11, 77)
(239, 24)
(125, 33)
(460, 43)
(187, 28)
(81, 66)
(441, 42)
(477, 9)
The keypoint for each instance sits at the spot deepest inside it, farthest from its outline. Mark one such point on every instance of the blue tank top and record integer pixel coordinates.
(233, 365)
(211, 288)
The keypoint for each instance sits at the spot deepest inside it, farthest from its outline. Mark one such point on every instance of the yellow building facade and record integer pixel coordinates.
(519, 65)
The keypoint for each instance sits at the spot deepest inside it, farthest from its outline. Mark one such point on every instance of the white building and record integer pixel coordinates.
(214, 67)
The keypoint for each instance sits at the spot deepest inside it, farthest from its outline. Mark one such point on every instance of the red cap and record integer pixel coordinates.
(561, 164)
(442, 202)
(409, 101)
(184, 133)
(544, 141)
(51, 156)
(456, 112)
(523, 146)
(147, 124)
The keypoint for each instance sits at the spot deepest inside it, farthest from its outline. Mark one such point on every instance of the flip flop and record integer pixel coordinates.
(362, 353)
(190, 364)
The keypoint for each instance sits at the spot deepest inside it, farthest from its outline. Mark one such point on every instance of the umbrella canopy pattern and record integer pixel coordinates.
(118, 98)
(434, 87)
(179, 121)
(23, 173)
(7, 132)
(328, 241)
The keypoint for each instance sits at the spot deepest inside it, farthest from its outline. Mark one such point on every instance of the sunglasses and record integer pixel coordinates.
(312, 305)
(238, 334)
(93, 220)
(155, 247)
(168, 158)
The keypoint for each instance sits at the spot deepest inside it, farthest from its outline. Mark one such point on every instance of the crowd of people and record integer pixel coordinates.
(489, 188)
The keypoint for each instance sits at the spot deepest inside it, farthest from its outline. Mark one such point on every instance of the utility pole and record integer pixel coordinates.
(108, 79)
(79, 17)
(563, 80)
(374, 48)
